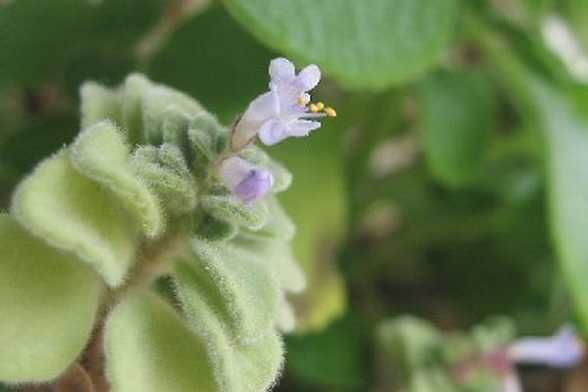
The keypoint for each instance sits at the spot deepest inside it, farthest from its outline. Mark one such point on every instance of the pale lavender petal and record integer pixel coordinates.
(262, 109)
(561, 350)
(309, 77)
(247, 181)
(302, 127)
(233, 171)
(273, 132)
(282, 70)
(256, 185)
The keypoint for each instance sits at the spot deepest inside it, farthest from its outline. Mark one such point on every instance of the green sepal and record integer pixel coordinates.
(102, 154)
(149, 348)
(71, 212)
(172, 184)
(228, 207)
(238, 368)
(50, 301)
(244, 290)
(98, 103)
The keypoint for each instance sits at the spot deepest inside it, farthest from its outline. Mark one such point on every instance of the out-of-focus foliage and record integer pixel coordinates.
(456, 191)
(362, 44)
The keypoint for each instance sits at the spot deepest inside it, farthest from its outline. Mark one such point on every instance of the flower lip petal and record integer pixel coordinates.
(245, 180)
(256, 185)
(272, 132)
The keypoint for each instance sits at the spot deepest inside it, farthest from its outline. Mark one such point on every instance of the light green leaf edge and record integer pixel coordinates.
(101, 153)
(71, 212)
(246, 289)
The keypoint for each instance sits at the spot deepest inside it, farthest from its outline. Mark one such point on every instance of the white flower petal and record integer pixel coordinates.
(282, 70)
(302, 127)
(309, 77)
(273, 132)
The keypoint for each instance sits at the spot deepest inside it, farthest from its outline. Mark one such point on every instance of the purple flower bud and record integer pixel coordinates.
(561, 350)
(284, 111)
(247, 181)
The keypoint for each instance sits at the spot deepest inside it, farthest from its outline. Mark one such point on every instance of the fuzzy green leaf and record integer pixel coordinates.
(49, 302)
(278, 256)
(98, 103)
(73, 213)
(213, 229)
(247, 294)
(150, 349)
(102, 154)
(132, 117)
(205, 136)
(279, 225)
(156, 101)
(238, 368)
(173, 184)
(363, 44)
(227, 207)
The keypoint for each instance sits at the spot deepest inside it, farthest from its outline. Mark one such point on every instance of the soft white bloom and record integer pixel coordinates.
(561, 350)
(284, 110)
(247, 181)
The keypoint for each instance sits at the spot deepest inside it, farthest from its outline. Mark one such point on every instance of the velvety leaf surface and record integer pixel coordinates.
(238, 368)
(102, 154)
(73, 213)
(247, 291)
(49, 301)
(362, 44)
(150, 349)
(228, 207)
(98, 103)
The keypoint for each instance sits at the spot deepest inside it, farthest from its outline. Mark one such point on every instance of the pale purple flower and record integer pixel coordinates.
(284, 111)
(561, 350)
(247, 181)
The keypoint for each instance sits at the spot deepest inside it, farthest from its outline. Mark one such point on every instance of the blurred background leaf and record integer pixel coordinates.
(362, 44)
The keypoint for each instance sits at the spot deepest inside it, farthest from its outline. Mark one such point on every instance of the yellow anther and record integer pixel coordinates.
(330, 112)
(301, 100)
(314, 108)
(320, 106)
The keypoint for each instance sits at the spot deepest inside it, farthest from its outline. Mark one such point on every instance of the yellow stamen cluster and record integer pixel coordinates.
(320, 107)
